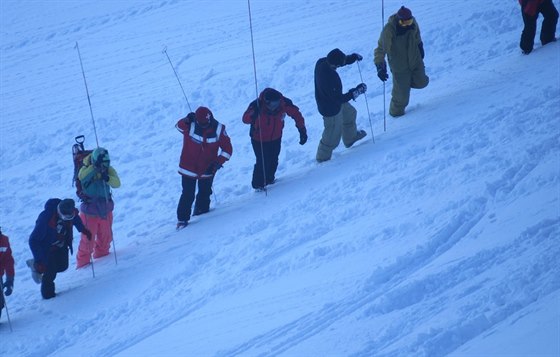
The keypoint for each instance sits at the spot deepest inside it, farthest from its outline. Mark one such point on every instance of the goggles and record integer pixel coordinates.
(405, 23)
(272, 104)
(65, 217)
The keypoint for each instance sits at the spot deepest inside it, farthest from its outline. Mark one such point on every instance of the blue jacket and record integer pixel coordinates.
(44, 237)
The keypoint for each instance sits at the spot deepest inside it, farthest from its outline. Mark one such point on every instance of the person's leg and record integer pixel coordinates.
(272, 152)
(258, 180)
(330, 139)
(548, 29)
(528, 33)
(104, 236)
(202, 204)
(349, 128)
(400, 95)
(85, 248)
(186, 199)
(47, 282)
(419, 78)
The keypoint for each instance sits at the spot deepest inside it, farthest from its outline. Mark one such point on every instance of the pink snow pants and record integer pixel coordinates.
(101, 237)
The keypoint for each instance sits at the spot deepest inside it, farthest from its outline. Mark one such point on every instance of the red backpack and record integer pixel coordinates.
(78, 155)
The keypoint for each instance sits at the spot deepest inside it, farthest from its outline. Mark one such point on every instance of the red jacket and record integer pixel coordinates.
(6, 258)
(268, 126)
(530, 6)
(201, 146)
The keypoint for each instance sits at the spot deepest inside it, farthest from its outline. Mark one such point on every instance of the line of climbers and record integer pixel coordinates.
(206, 146)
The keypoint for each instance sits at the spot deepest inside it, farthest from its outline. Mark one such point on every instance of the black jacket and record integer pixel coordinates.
(328, 89)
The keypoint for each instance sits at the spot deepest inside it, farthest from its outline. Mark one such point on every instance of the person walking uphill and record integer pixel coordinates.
(97, 178)
(400, 40)
(530, 10)
(266, 117)
(339, 116)
(6, 267)
(206, 147)
(51, 240)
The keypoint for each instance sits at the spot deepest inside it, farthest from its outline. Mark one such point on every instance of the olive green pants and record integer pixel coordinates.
(342, 125)
(402, 82)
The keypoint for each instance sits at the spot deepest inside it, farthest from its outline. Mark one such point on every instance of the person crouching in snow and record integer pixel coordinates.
(97, 177)
(6, 267)
(266, 117)
(206, 147)
(51, 240)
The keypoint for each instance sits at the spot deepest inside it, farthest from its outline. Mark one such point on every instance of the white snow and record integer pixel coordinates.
(441, 238)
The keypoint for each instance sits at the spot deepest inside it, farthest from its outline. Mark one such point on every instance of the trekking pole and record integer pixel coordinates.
(367, 105)
(87, 93)
(257, 96)
(383, 44)
(178, 80)
(6, 305)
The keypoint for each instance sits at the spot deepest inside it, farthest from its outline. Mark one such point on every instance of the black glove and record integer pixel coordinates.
(189, 118)
(382, 71)
(87, 233)
(211, 170)
(302, 136)
(360, 89)
(421, 48)
(105, 175)
(353, 58)
(9, 285)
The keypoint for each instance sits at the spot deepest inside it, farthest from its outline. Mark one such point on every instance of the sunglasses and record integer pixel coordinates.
(65, 217)
(405, 23)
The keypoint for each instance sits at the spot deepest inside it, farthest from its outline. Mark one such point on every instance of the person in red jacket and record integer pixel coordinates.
(266, 117)
(206, 147)
(6, 267)
(530, 10)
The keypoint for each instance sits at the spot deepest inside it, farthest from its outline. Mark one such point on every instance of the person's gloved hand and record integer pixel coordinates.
(353, 58)
(360, 89)
(382, 71)
(9, 285)
(87, 233)
(190, 118)
(212, 168)
(302, 135)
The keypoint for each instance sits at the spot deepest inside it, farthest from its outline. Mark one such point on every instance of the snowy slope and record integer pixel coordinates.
(441, 238)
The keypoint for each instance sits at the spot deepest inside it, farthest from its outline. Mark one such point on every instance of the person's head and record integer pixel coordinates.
(272, 99)
(336, 58)
(66, 209)
(203, 116)
(404, 15)
(100, 157)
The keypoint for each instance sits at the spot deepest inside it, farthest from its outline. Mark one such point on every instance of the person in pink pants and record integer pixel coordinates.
(97, 178)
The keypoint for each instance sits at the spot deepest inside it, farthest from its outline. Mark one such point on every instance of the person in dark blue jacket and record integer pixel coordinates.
(51, 240)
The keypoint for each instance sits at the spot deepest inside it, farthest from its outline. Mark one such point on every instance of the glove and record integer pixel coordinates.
(421, 48)
(382, 71)
(87, 233)
(360, 89)
(302, 136)
(353, 58)
(105, 175)
(9, 285)
(189, 118)
(211, 170)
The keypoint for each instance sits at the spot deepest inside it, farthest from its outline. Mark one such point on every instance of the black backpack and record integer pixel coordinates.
(78, 155)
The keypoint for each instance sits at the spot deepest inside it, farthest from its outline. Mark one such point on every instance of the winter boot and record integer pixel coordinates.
(182, 224)
(359, 136)
(34, 273)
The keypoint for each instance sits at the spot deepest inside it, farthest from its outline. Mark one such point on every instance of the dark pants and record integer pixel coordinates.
(267, 158)
(1, 297)
(188, 196)
(58, 262)
(548, 29)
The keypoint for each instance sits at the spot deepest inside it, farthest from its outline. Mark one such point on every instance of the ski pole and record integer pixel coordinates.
(367, 105)
(178, 80)
(6, 305)
(257, 96)
(383, 44)
(87, 93)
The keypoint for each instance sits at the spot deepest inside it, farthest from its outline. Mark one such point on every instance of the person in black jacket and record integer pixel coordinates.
(339, 116)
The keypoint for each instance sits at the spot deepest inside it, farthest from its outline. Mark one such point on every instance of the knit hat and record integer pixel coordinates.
(272, 98)
(203, 115)
(336, 57)
(66, 209)
(404, 14)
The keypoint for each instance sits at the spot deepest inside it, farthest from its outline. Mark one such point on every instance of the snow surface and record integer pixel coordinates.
(441, 238)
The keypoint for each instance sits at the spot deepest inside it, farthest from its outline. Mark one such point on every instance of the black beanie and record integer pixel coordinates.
(336, 57)
(66, 206)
